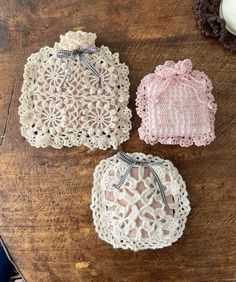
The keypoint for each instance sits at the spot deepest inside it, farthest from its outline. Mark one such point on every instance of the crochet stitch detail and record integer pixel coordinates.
(80, 112)
(210, 23)
(134, 216)
(176, 106)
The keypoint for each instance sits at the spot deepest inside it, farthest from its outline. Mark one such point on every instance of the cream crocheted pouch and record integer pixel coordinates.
(176, 106)
(75, 93)
(138, 202)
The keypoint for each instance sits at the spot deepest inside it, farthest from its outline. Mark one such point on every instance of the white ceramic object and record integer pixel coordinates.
(228, 13)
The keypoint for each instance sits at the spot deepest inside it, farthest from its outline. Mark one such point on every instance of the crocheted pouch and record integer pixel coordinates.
(176, 106)
(75, 94)
(138, 202)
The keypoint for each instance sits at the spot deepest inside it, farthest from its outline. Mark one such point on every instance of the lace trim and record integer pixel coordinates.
(146, 131)
(77, 114)
(134, 217)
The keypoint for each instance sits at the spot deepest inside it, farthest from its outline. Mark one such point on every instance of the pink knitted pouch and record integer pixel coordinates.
(176, 106)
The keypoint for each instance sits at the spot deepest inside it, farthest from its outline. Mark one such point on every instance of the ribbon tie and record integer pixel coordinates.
(180, 72)
(171, 69)
(145, 163)
(78, 52)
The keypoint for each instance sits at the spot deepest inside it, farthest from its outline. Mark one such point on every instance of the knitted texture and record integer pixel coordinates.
(176, 106)
(210, 23)
(134, 217)
(80, 112)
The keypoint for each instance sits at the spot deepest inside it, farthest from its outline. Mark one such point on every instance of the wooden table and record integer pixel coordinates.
(45, 217)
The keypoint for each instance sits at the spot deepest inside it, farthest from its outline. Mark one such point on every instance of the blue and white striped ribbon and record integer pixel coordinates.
(78, 52)
(145, 163)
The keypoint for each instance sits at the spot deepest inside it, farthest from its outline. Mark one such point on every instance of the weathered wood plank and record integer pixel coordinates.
(45, 194)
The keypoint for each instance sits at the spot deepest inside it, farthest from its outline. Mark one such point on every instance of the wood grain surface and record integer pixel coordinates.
(45, 219)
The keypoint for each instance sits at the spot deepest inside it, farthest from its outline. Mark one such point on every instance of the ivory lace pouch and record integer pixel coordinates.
(176, 106)
(75, 93)
(138, 202)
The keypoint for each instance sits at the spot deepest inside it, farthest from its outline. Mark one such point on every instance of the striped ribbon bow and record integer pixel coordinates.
(145, 163)
(78, 52)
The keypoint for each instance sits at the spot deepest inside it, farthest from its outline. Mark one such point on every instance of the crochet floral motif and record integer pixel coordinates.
(134, 216)
(80, 112)
(176, 106)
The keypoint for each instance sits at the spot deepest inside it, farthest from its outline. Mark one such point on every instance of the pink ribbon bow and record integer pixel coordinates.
(180, 72)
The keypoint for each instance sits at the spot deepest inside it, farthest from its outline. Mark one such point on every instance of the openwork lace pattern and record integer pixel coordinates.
(134, 216)
(176, 106)
(80, 112)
